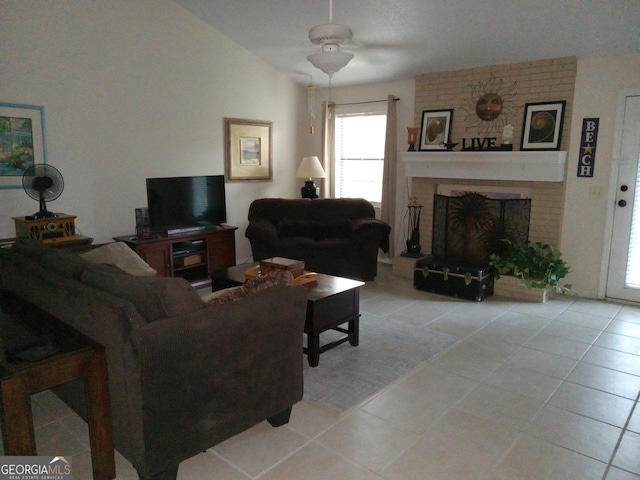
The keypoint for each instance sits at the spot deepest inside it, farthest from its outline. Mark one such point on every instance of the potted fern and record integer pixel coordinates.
(536, 266)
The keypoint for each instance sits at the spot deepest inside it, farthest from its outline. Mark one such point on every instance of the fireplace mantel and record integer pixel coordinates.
(495, 165)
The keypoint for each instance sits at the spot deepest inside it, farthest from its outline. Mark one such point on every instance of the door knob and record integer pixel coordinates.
(622, 203)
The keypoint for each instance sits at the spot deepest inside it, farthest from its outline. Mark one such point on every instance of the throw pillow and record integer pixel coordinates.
(154, 297)
(224, 296)
(120, 255)
(251, 286)
(63, 262)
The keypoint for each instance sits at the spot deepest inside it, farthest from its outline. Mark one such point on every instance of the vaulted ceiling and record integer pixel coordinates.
(399, 39)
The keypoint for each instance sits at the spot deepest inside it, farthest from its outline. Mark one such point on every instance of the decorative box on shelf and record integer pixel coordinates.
(188, 260)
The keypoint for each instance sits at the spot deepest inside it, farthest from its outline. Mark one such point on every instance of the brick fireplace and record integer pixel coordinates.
(540, 174)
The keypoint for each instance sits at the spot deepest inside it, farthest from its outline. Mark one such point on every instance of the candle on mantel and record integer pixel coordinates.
(412, 138)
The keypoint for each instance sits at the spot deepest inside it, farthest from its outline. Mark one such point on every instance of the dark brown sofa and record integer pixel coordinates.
(338, 236)
(183, 376)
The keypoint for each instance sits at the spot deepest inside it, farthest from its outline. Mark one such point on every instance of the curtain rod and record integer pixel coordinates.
(360, 103)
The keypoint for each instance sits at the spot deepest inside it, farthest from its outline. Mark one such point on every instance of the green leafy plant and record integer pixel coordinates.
(538, 265)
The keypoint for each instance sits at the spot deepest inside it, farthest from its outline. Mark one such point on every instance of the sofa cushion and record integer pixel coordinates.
(63, 262)
(74, 303)
(154, 297)
(336, 228)
(296, 228)
(120, 255)
(277, 209)
(316, 229)
(29, 247)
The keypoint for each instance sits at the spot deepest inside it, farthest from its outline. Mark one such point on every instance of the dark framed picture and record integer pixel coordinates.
(22, 141)
(248, 150)
(435, 129)
(542, 126)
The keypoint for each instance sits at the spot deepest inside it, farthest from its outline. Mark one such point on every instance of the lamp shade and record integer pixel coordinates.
(310, 167)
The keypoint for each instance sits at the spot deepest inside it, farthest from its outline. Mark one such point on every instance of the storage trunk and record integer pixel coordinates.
(456, 279)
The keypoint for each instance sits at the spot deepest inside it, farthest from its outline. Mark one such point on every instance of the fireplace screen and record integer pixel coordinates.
(470, 227)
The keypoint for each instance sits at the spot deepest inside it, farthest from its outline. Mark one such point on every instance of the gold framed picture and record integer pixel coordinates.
(248, 150)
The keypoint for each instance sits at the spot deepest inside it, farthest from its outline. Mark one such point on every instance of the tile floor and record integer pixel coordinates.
(530, 391)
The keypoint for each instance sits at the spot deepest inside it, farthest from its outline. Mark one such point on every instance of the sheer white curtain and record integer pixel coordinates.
(388, 204)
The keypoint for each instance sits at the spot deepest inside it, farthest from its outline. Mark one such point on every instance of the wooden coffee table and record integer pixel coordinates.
(331, 302)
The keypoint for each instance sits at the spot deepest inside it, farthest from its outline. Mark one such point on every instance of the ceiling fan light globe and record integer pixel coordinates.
(330, 61)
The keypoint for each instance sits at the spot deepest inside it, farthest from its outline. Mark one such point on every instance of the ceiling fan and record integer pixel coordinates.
(330, 36)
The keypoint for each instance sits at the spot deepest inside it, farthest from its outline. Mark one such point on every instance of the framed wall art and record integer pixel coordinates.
(22, 141)
(542, 126)
(435, 129)
(248, 150)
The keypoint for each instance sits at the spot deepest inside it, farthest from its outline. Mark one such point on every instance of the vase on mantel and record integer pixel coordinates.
(512, 288)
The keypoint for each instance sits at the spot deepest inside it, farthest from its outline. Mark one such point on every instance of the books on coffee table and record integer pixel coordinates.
(296, 267)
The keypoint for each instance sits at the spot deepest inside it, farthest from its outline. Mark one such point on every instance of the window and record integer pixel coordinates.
(359, 155)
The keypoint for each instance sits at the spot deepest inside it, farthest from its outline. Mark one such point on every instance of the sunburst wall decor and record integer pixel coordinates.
(489, 106)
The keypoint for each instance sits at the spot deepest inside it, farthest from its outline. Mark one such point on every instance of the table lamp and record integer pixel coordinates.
(310, 168)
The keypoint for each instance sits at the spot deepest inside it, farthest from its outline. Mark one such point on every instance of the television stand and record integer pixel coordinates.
(178, 231)
(190, 255)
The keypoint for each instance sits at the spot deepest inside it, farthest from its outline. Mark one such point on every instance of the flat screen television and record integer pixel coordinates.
(183, 204)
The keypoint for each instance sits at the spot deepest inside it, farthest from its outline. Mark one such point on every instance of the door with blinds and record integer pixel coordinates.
(623, 280)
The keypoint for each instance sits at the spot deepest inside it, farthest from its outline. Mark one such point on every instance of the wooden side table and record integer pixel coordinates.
(80, 243)
(27, 334)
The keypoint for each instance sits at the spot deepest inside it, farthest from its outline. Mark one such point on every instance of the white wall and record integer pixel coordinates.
(403, 89)
(584, 234)
(135, 89)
